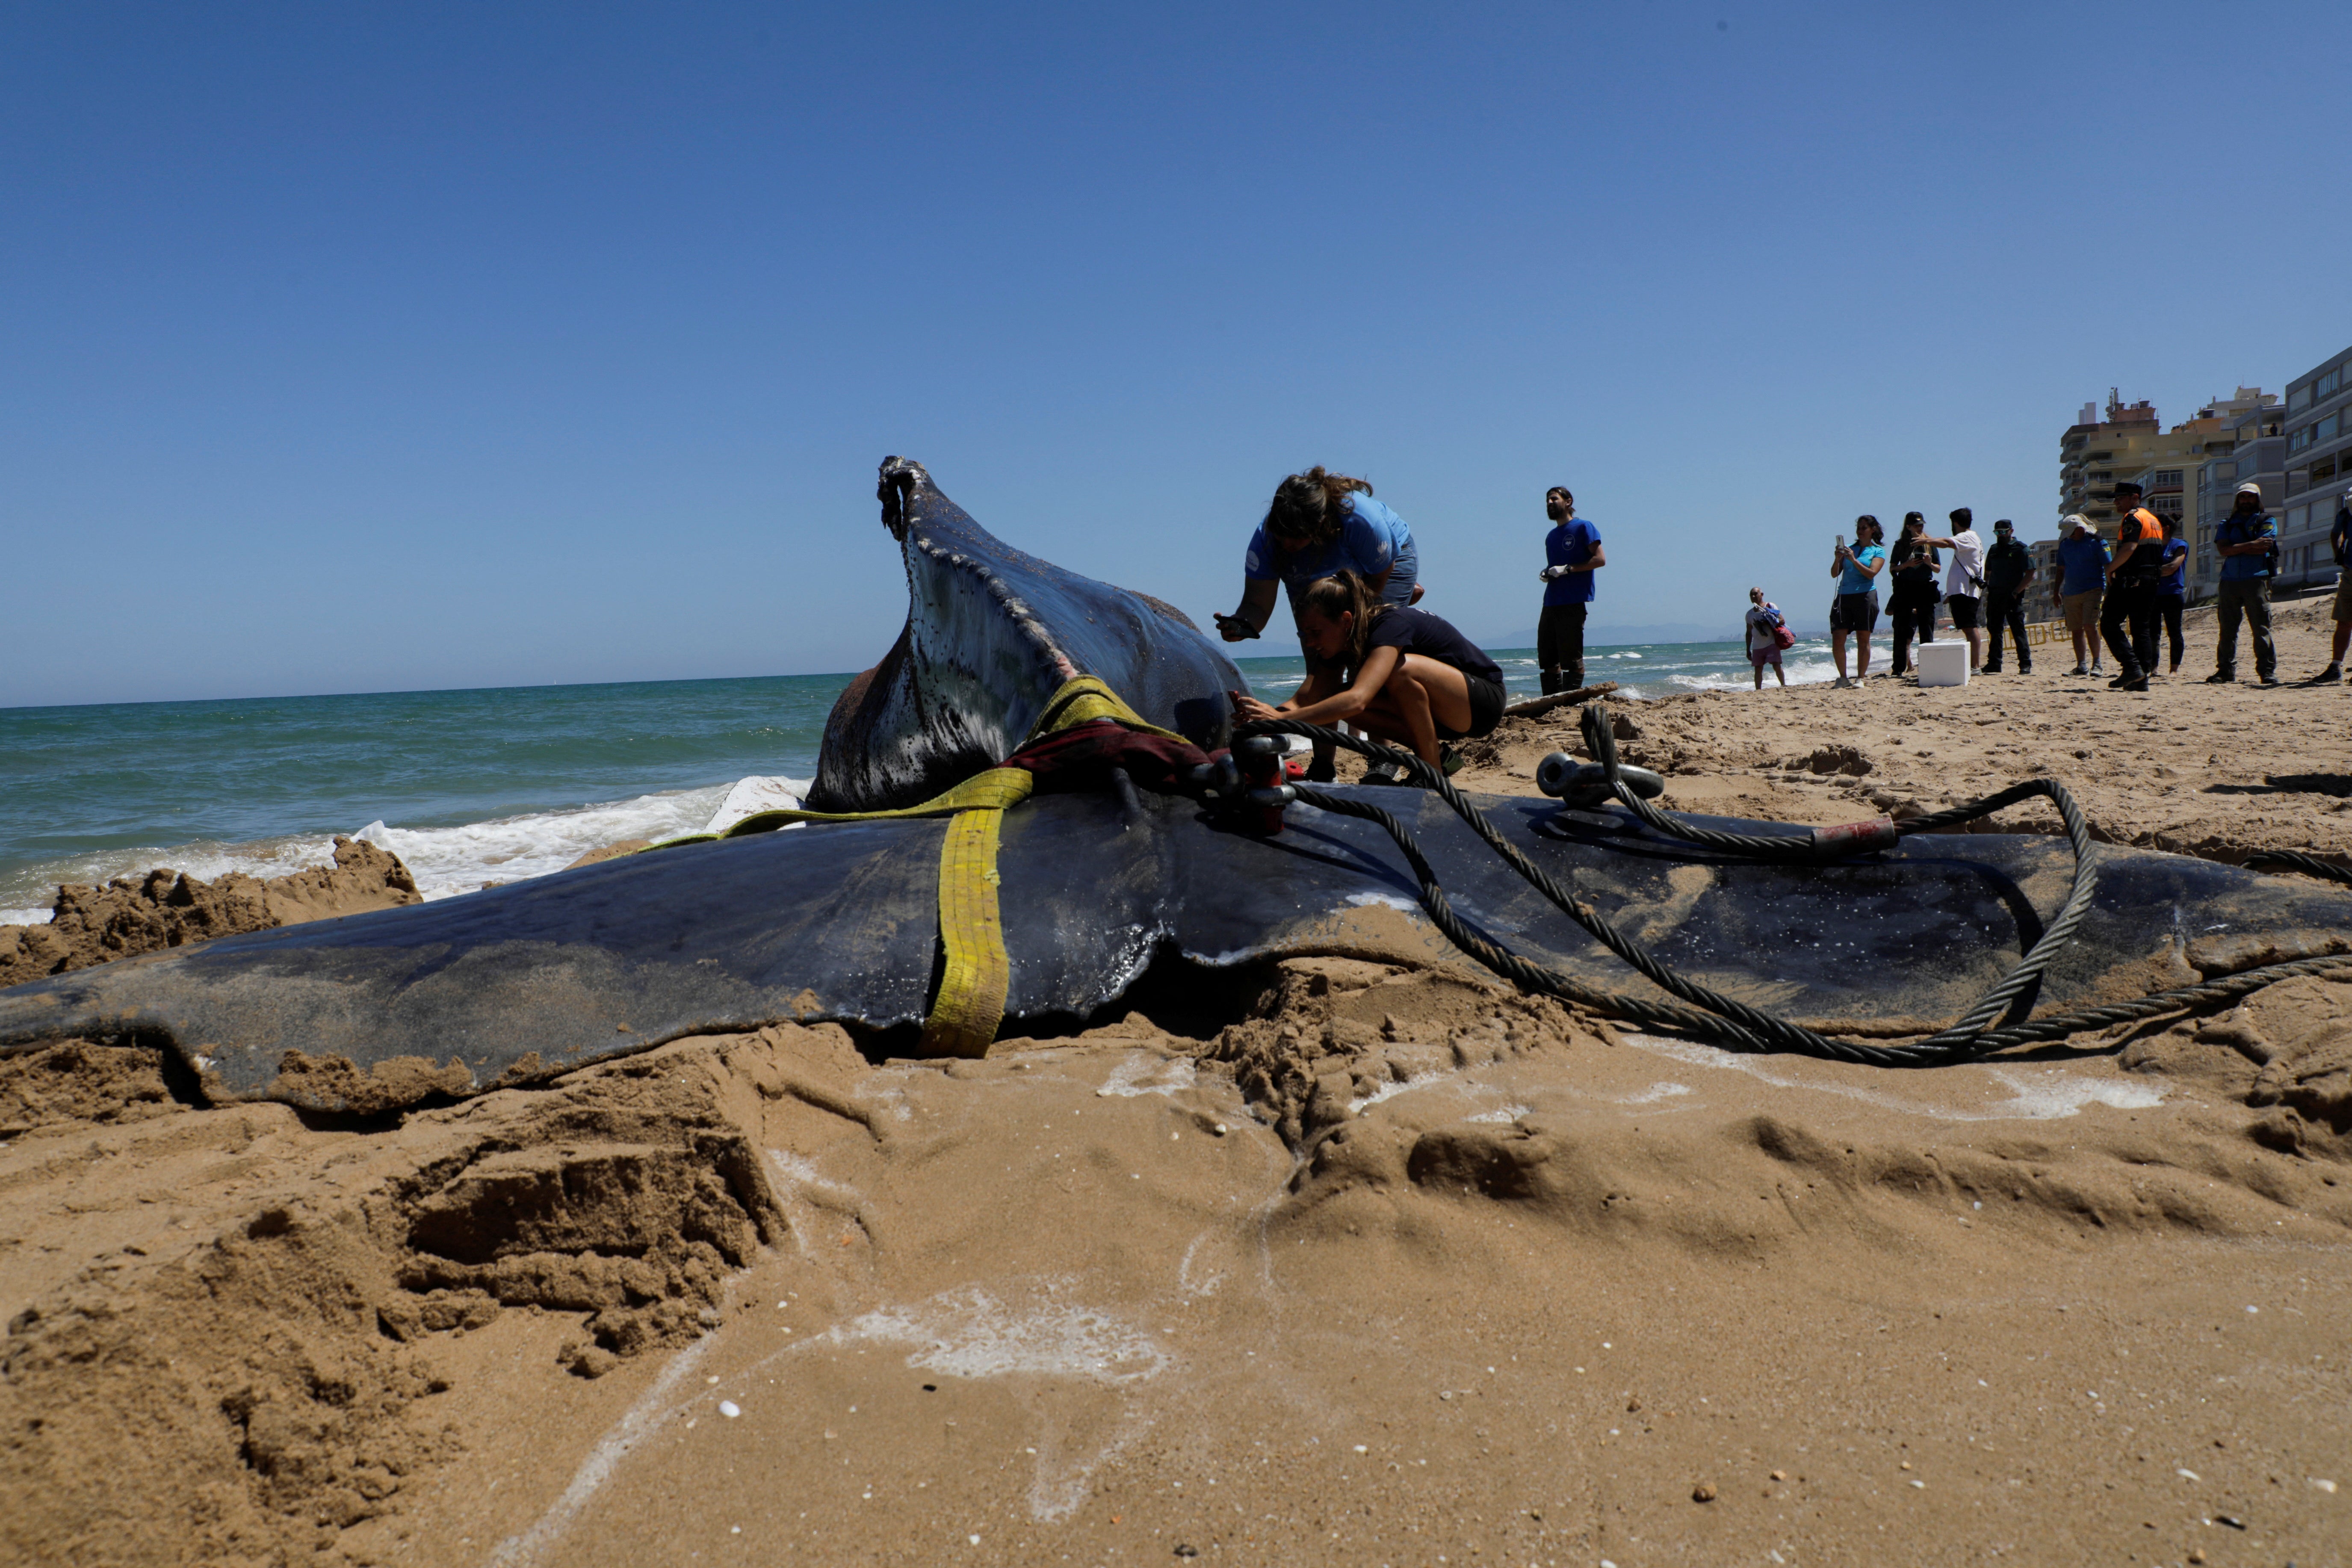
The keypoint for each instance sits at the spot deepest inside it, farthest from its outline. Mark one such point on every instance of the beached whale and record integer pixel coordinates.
(1096, 890)
(991, 634)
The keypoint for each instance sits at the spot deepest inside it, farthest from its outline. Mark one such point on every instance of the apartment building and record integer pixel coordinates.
(2095, 453)
(2318, 469)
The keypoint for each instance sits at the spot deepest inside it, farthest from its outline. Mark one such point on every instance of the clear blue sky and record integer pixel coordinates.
(367, 348)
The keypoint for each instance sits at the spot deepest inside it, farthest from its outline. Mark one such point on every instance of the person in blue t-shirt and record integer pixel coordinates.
(1573, 553)
(1855, 609)
(2082, 585)
(2171, 595)
(2247, 543)
(1321, 523)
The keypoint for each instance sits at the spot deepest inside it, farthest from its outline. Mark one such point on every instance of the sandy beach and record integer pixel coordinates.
(1338, 1262)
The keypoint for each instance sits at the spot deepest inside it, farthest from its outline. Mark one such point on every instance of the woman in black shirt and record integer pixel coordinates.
(1401, 675)
(1912, 565)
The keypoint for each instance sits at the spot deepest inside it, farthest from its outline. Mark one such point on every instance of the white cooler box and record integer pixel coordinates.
(1942, 663)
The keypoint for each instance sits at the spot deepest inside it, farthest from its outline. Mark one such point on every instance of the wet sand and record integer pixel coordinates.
(1387, 1265)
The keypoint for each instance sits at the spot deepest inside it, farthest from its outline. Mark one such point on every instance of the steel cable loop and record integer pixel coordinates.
(2295, 860)
(1744, 1026)
(1961, 1042)
(1996, 1002)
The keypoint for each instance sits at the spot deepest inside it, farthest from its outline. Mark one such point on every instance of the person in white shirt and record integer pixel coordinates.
(1963, 583)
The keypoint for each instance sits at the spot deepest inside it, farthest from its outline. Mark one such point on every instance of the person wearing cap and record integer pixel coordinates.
(2247, 543)
(1573, 553)
(2339, 539)
(2171, 597)
(2127, 620)
(2008, 571)
(2082, 583)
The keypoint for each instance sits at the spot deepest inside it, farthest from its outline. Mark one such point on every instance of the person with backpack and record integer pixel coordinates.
(1768, 634)
(2247, 543)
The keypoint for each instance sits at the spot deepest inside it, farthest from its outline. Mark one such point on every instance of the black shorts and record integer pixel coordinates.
(1854, 612)
(1964, 611)
(1486, 703)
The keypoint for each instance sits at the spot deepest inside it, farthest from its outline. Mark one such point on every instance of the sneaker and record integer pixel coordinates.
(2220, 677)
(2080, 669)
(1449, 760)
(2328, 677)
(1384, 773)
(2025, 669)
(2137, 685)
(2270, 680)
(1990, 669)
(2120, 681)
(1839, 684)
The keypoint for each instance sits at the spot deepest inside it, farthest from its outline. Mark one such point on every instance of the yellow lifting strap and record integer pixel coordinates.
(977, 972)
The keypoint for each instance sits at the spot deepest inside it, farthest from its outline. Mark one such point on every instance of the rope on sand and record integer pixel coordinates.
(1997, 1022)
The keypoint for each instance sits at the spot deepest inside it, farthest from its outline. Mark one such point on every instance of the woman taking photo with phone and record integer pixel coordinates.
(1855, 611)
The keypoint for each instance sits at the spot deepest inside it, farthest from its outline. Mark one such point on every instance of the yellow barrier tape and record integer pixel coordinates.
(977, 973)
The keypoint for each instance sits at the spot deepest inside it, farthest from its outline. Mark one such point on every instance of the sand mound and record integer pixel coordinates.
(213, 1313)
(129, 916)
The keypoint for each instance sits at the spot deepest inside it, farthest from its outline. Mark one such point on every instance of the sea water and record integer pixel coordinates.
(475, 787)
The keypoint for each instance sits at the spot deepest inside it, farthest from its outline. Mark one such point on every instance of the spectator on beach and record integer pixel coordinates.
(1573, 553)
(2172, 598)
(2339, 541)
(1400, 674)
(2247, 543)
(2127, 620)
(1964, 584)
(1911, 569)
(2008, 571)
(1855, 609)
(2082, 583)
(1765, 623)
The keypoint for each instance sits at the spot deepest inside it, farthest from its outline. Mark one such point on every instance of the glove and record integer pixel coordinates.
(1552, 573)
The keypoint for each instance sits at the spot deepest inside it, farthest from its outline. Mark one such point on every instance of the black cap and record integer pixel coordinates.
(2004, 522)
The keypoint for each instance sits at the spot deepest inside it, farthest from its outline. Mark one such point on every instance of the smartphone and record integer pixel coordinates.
(1841, 544)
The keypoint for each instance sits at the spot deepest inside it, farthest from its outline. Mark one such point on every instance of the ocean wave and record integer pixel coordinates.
(444, 860)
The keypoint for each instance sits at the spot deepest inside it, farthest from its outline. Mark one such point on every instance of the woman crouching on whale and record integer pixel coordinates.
(1401, 675)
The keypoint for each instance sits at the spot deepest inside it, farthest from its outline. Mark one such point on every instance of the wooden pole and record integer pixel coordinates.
(1536, 705)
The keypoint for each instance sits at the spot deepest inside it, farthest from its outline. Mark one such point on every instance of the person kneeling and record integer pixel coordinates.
(1402, 675)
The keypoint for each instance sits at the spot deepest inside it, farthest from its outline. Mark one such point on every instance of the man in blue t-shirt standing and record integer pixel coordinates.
(2247, 543)
(1572, 553)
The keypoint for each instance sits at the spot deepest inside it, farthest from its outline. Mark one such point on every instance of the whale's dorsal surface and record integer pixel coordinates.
(991, 633)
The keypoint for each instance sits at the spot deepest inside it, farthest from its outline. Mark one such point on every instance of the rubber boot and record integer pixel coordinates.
(1552, 682)
(1571, 676)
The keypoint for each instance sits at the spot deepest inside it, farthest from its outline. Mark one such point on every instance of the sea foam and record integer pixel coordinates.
(450, 860)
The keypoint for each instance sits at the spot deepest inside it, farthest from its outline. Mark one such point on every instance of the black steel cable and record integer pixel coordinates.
(2296, 861)
(1735, 1024)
